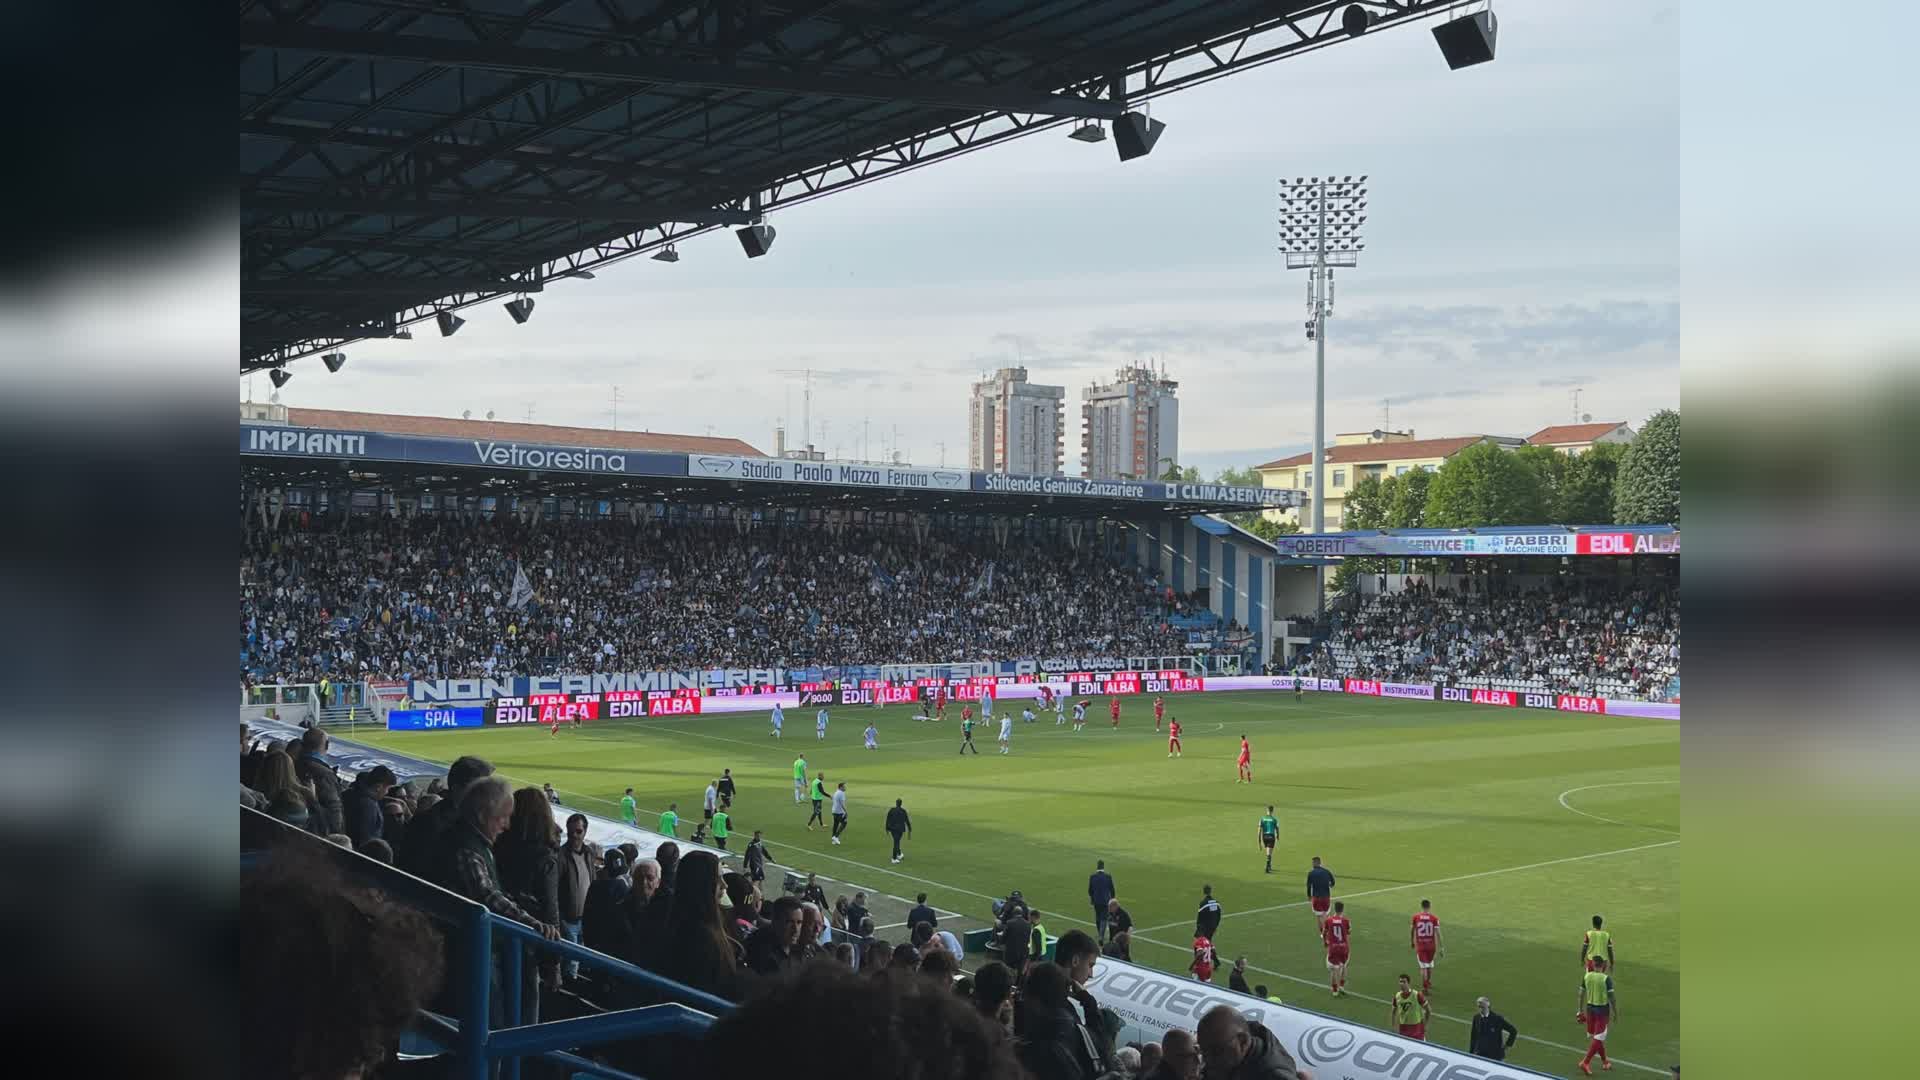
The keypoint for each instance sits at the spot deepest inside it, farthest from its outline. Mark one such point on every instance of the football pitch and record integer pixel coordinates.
(1518, 824)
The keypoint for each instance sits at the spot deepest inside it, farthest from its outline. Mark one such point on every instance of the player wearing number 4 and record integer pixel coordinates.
(1426, 942)
(1337, 933)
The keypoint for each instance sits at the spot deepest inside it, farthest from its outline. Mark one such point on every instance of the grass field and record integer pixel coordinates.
(1518, 824)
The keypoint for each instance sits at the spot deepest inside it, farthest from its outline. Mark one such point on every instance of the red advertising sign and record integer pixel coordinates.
(1620, 543)
(1363, 686)
(1576, 703)
(674, 706)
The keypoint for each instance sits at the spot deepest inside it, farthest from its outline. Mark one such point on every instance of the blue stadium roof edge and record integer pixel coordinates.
(400, 160)
(418, 464)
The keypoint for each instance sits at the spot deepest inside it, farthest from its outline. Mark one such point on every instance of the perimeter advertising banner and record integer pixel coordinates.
(1156, 1002)
(1476, 544)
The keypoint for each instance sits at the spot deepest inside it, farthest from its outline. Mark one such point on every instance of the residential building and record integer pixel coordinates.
(1016, 426)
(1358, 454)
(1576, 438)
(1131, 426)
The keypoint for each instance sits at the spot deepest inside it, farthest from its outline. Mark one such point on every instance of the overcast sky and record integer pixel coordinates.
(1522, 242)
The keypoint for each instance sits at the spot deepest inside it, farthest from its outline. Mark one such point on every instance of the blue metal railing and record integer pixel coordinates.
(470, 1035)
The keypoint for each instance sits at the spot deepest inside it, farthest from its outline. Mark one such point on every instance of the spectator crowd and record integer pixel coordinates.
(1597, 637)
(433, 597)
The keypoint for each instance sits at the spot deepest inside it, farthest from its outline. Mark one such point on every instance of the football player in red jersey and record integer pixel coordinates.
(1159, 710)
(1337, 933)
(1173, 737)
(940, 703)
(1245, 762)
(1113, 709)
(1426, 942)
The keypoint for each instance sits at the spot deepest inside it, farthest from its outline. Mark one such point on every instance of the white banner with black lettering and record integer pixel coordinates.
(1156, 1002)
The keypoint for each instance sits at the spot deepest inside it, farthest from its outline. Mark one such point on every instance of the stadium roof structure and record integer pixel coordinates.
(403, 158)
(463, 428)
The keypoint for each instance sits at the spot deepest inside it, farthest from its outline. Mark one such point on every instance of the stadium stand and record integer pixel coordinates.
(427, 597)
(1594, 637)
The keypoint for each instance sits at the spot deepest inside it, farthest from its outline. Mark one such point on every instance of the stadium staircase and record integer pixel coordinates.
(647, 1036)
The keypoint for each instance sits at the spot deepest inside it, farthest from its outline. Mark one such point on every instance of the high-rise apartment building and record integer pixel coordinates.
(1131, 426)
(1016, 426)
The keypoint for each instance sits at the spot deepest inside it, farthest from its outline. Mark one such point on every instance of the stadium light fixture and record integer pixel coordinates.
(667, 254)
(521, 308)
(1089, 132)
(449, 322)
(334, 360)
(1320, 229)
(280, 377)
(404, 333)
(583, 275)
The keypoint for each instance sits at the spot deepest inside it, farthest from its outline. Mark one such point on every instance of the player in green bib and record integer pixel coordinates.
(1597, 1010)
(670, 821)
(629, 809)
(1597, 943)
(799, 777)
(720, 825)
(819, 795)
(1408, 1010)
(1269, 835)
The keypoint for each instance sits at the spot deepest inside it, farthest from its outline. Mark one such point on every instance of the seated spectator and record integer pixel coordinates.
(940, 966)
(361, 804)
(695, 949)
(776, 946)
(848, 1026)
(1235, 1048)
(993, 987)
(331, 974)
(1179, 1057)
(289, 798)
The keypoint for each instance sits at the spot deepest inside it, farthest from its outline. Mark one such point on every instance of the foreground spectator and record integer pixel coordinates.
(421, 852)
(1234, 1048)
(467, 865)
(330, 973)
(695, 949)
(360, 804)
(849, 1027)
(579, 861)
(528, 855)
(320, 776)
(1055, 1045)
(993, 993)
(775, 947)
(1179, 1057)
(289, 798)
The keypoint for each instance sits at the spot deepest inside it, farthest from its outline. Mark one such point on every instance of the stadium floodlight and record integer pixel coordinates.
(1355, 20)
(1320, 220)
(668, 254)
(280, 376)
(583, 275)
(404, 333)
(756, 239)
(521, 308)
(1089, 132)
(334, 360)
(449, 322)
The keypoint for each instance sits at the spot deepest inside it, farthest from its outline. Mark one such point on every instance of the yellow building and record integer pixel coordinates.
(1359, 454)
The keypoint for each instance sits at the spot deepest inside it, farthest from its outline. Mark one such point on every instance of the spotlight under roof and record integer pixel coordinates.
(449, 322)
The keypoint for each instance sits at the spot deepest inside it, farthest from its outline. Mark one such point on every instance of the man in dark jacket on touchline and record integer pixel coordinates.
(1099, 893)
(899, 826)
(1485, 1040)
(1236, 1049)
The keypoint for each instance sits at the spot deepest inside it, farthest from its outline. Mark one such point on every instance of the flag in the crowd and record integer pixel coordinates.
(522, 588)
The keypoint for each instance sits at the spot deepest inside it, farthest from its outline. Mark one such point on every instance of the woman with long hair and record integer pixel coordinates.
(696, 950)
(528, 855)
(289, 798)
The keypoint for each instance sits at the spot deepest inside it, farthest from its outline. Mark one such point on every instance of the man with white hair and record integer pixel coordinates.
(1488, 1026)
(467, 868)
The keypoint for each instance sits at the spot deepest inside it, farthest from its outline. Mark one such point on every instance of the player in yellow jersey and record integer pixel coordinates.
(1597, 943)
(1597, 1010)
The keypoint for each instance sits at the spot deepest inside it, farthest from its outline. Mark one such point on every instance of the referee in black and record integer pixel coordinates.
(898, 825)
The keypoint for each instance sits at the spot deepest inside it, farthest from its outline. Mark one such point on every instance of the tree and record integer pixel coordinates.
(1549, 467)
(1647, 489)
(1485, 484)
(1587, 491)
(1408, 509)
(1254, 521)
(1177, 475)
(1368, 503)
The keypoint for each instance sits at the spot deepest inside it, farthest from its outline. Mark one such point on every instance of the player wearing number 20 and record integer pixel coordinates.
(1425, 936)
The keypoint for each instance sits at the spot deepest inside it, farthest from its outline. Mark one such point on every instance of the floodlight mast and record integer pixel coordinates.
(1320, 220)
